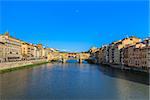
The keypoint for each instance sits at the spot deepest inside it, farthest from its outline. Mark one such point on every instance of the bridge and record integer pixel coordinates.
(67, 56)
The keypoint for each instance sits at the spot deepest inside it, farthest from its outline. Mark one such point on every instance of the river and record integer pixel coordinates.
(73, 81)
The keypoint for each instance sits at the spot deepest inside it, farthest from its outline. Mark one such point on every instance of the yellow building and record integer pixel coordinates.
(2, 50)
(28, 51)
(45, 52)
(12, 47)
(93, 50)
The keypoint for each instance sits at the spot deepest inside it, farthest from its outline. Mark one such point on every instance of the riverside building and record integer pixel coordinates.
(137, 55)
(117, 46)
(39, 51)
(2, 50)
(28, 51)
(10, 47)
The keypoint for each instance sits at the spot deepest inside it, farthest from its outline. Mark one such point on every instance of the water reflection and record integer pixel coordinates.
(131, 76)
(72, 81)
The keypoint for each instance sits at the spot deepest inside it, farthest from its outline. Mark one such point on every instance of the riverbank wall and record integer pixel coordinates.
(128, 68)
(123, 67)
(5, 66)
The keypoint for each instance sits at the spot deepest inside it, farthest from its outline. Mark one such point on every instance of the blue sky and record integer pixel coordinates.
(74, 25)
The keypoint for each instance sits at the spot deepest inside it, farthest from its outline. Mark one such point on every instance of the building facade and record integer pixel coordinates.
(94, 54)
(2, 50)
(117, 57)
(28, 51)
(137, 56)
(119, 52)
(45, 52)
(39, 51)
(12, 47)
(106, 54)
(111, 53)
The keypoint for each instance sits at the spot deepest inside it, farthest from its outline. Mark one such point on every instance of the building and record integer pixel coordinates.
(39, 51)
(93, 51)
(97, 57)
(137, 55)
(129, 52)
(106, 54)
(2, 50)
(116, 48)
(101, 55)
(111, 51)
(28, 51)
(146, 57)
(12, 47)
(36, 52)
(45, 52)
(94, 54)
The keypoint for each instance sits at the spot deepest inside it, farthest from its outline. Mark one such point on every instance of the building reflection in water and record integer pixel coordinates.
(127, 75)
(74, 81)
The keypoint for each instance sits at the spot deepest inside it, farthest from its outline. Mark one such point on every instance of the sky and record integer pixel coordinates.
(74, 25)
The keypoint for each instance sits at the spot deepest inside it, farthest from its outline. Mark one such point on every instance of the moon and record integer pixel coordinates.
(77, 11)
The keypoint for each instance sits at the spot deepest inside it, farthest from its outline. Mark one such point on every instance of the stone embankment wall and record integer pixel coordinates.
(9, 65)
(137, 69)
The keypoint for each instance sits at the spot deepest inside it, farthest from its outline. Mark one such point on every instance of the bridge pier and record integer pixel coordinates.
(63, 60)
(80, 60)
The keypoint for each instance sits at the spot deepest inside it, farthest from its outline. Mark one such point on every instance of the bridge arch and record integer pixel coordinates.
(67, 56)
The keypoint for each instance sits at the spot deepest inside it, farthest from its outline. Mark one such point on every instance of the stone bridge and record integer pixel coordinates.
(67, 56)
